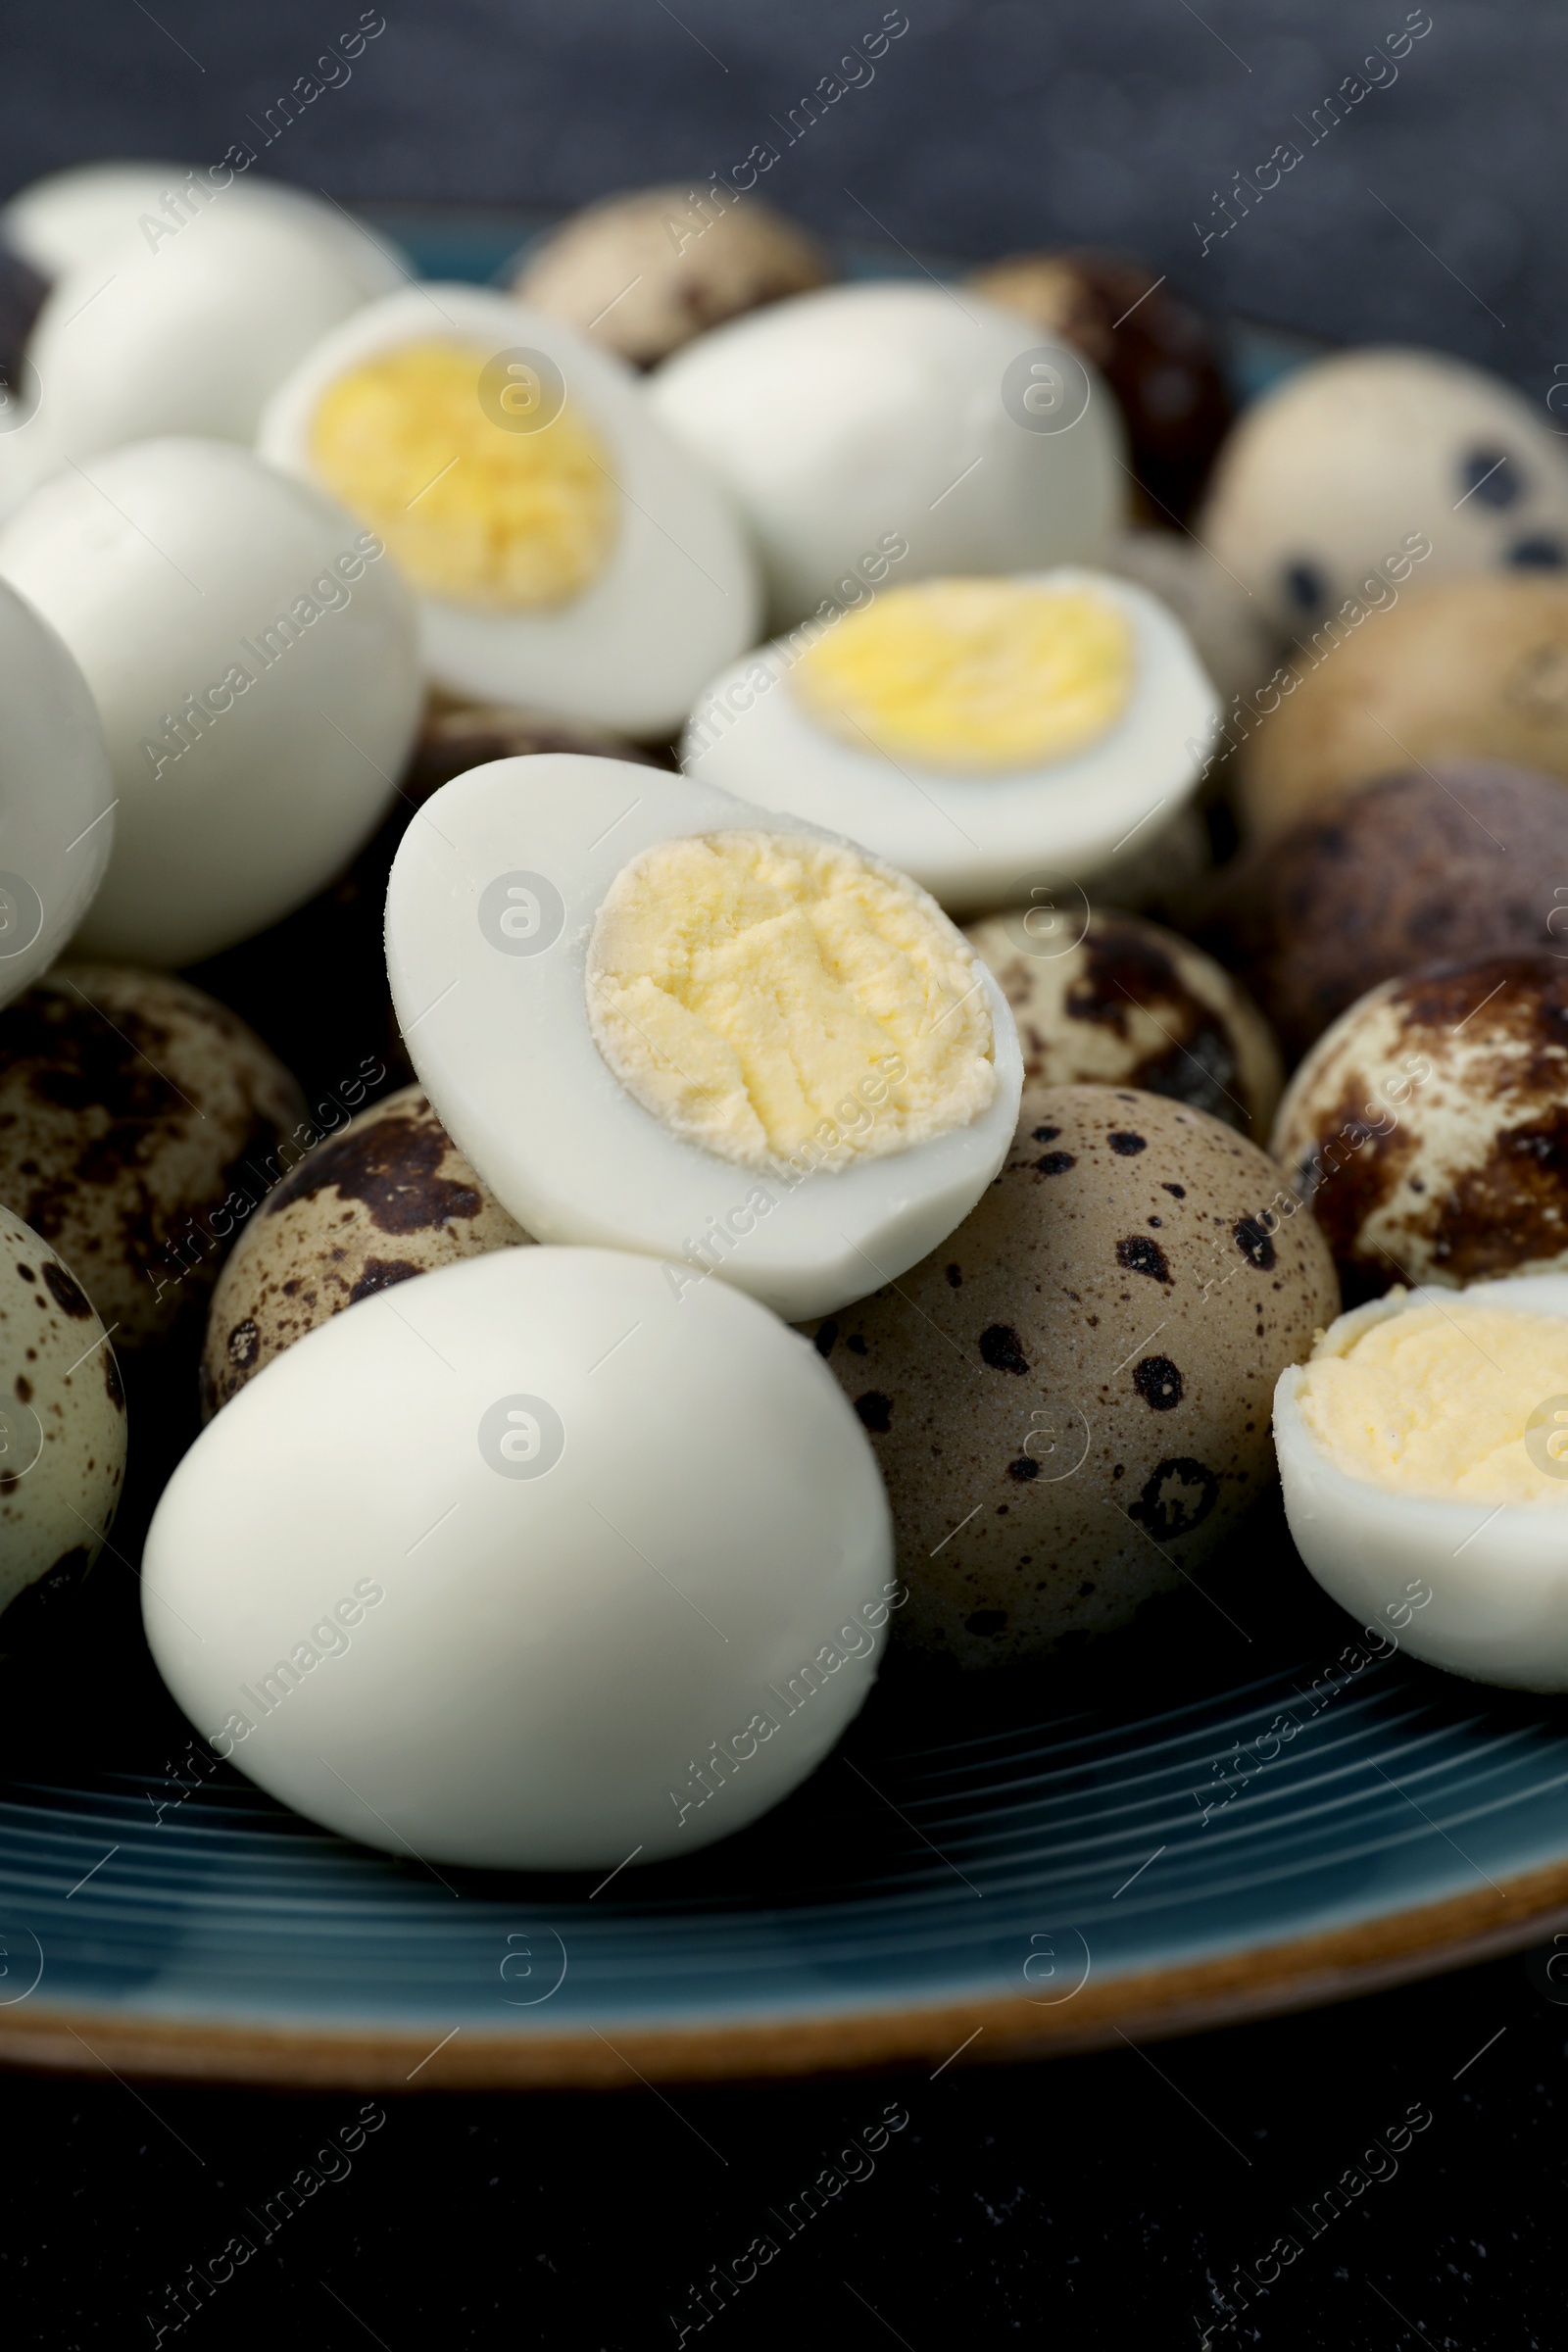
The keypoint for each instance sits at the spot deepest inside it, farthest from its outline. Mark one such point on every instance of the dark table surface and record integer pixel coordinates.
(1130, 2196)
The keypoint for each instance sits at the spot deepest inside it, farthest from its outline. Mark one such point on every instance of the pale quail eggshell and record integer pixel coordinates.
(1070, 1398)
(390, 1198)
(1429, 1127)
(645, 272)
(62, 1417)
(1469, 669)
(1354, 456)
(1110, 999)
(133, 1107)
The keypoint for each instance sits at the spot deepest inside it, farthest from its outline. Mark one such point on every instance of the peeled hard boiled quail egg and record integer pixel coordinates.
(72, 217)
(188, 324)
(842, 418)
(1110, 999)
(62, 1416)
(390, 1198)
(982, 734)
(56, 795)
(1427, 1129)
(134, 1113)
(251, 656)
(565, 549)
(1423, 1448)
(656, 1019)
(1321, 481)
(529, 1564)
(1070, 1398)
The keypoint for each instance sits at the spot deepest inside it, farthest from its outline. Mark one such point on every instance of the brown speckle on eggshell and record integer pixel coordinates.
(388, 1199)
(133, 1108)
(1130, 1003)
(1110, 1386)
(1429, 1127)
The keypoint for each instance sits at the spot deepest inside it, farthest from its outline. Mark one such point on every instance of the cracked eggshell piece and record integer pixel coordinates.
(56, 796)
(1479, 1590)
(677, 594)
(491, 1567)
(977, 842)
(500, 1036)
(62, 1417)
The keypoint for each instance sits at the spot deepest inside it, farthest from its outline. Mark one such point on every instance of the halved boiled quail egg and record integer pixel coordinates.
(656, 1019)
(565, 549)
(982, 734)
(1423, 1449)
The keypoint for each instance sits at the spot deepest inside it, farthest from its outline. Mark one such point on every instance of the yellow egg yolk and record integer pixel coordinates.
(982, 676)
(507, 521)
(1438, 1400)
(780, 999)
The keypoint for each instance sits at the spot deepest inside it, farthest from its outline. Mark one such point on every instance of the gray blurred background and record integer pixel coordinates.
(1433, 211)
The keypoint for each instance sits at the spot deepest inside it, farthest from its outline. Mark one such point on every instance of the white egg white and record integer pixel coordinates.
(679, 593)
(72, 217)
(190, 334)
(843, 418)
(527, 1565)
(163, 566)
(56, 796)
(977, 842)
(503, 1047)
(1463, 1585)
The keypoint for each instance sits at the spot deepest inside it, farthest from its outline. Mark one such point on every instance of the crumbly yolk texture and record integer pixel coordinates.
(777, 999)
(977, 676)
(471, 513)
(1435, 1401)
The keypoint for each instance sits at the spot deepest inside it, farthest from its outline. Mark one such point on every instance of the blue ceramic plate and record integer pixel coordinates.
(1240, 1805)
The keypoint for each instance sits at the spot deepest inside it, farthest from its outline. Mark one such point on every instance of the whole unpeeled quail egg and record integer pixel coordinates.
(1427, 1129)
(390, 1197)
(1070, 1398)
(1453, 859)
(62, 1417)
(645, 272)
(1322, 480)
(1471, 669)
(1110, 999)
(135, 1115)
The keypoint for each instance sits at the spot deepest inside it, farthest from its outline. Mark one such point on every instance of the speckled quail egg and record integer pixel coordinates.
(564, 547)
(188, 324)
(843, 420)
(62, 1417)
(253, 658)
(1450, 860)
(980, 734)
(656, 1019)
(1324, 479)
(1473, 669)
(529, 1564)
(1158, 354)
(1110, 999)
(1429, 1127)
(135, 1114)
(642, 273)
(57, 797)
(1070, 1398)
(390, 1198)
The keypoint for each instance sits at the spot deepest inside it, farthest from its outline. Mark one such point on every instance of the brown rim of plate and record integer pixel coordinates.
(1298, 1975)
